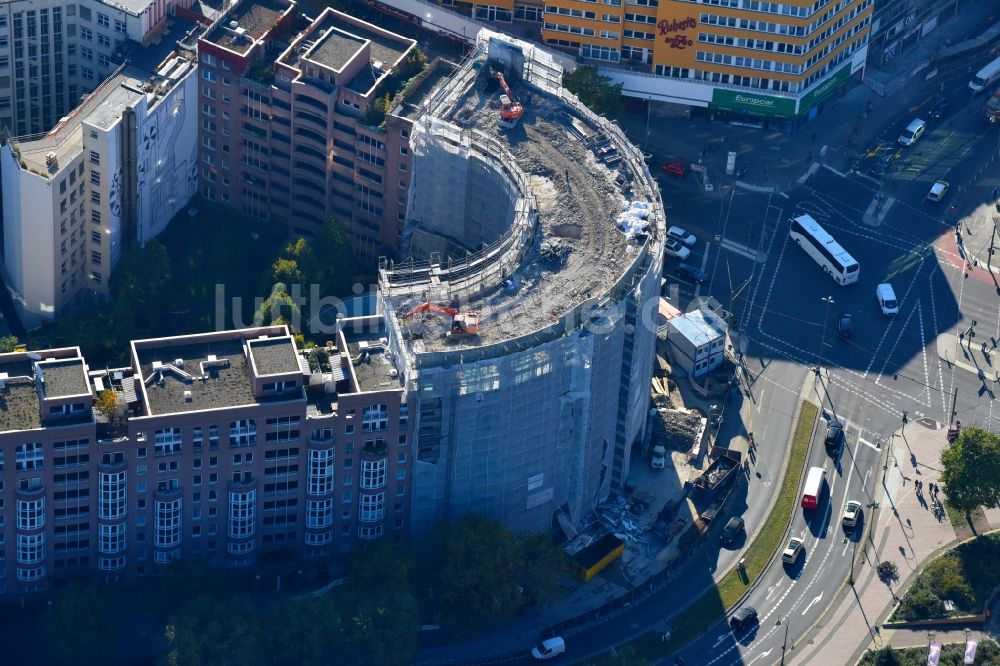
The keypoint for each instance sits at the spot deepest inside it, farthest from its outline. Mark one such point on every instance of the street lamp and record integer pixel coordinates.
(784, 642)
(822, 343)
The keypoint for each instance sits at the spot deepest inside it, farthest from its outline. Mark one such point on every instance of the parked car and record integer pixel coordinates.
(792, 551)
(675, 248)
(939, 109)
(938, 190)
(913, 131)
(659, 459)
(834, 433)
(851, 513)
(845, 325)
(731, 532)
(693, 272)
(549, 648)
(743, 618)
(682, 236)
(675, 168)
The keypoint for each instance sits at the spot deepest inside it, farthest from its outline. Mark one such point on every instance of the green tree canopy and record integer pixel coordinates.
(278, 308)
(595, 90)
(336, 258)
(971, 473)
(79, 626)
(8, 343)
(210, 632)
(383, 625)
(303, 631)
(544, 564)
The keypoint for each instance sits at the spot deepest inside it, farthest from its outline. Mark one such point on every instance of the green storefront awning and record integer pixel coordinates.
(752, 103)
(823, 90)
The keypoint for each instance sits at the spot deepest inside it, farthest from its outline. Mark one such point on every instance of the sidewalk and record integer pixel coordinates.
(906, 532)
(779, 162)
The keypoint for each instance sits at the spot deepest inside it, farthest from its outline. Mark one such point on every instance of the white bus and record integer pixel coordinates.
(985, 76)
(825, 251)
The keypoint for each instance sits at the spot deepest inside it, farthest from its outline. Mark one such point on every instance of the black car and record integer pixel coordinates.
(731, 532)
(834, 432)
(743, 618)
(693, 272)
(845, 325)
(939, 109)
(883, 163)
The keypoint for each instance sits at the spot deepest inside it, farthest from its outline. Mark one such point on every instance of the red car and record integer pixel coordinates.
(675, 168)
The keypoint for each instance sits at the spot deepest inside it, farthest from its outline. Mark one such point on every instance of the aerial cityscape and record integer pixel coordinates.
(443, 333)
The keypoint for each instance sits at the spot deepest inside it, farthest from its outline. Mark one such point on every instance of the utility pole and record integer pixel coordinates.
(954, 397)
(784, 642)
(822, 343)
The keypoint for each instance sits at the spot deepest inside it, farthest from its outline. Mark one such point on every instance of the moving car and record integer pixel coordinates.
(792, 551)
(913, 131)
(886, 298)
(681, 235)
(938, 190)
(693, 272)
(675, 168)
(883, 163)
(743, 618)
(834, 432)
(675, 248)
(845, 325)
(731, 532)
(939, 109)
(549, 648)
(851, 513)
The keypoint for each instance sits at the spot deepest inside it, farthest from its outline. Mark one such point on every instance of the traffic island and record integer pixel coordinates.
(693, 620)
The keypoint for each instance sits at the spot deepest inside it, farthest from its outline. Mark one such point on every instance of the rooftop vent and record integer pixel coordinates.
(50, 158)
(179, 362)
(234, 24)
(187, 396)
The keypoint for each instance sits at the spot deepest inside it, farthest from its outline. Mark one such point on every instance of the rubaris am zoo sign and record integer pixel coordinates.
(672, 32)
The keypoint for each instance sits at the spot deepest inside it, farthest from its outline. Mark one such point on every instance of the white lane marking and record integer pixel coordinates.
(846, 546)
(923, 351)
(720, 639)
(742, 250)
(814, 601)
(772, 589)
(760, 656)
(867, 443)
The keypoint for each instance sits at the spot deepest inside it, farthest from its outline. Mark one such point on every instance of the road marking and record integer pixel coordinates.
(772, 589)
(867, 443)
(760, 656)
(815, 600)
(720, 639)
(743, 250)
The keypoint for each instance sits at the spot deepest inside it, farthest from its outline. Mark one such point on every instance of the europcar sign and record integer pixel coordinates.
(752, 103)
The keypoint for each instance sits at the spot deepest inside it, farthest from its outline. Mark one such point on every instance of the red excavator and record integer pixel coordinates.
(462, 323)
(512, 110)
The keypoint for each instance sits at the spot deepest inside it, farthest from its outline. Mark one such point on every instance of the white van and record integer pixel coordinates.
(887, 299)
(549, 648)
(985, 76)
(912, 132)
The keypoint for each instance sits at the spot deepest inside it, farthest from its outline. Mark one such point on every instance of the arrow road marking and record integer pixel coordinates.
(867, 443)
(771, 590)
(721, 638)
(760, 656)
(815, 600)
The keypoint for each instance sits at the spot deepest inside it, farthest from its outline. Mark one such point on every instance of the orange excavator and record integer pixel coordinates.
(462, 323)
(512, 109)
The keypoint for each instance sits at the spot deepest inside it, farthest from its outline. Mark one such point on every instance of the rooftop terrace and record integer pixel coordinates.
(252, 19)
(19, 407)
(274, 356)
(61, 379)
(373, 371)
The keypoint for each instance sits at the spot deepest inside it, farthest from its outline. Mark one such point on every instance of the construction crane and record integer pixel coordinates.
(512, 109)
(462, 323)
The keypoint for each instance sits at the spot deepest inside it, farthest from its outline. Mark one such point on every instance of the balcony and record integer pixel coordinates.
(25, 491)
(243, 485)
(167, 493)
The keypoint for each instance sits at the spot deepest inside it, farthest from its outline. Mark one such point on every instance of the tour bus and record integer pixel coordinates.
(813, 488)
(824, 250)
(985, 76)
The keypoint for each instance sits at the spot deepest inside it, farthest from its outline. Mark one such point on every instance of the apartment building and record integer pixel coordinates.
(233, 446)
(766, 60)
(115, 169)
(286, 130)
(53, 51)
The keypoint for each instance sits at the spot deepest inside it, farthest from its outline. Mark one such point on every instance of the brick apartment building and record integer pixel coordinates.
(233, 446)
(283, 133)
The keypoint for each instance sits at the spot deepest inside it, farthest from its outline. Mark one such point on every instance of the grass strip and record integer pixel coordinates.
(714, 602)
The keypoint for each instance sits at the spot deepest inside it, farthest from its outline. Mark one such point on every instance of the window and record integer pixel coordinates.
(119, 26)
(168, 441)
(319, 513)
(102, 20)
(31, 514)
(375, 418)
(28, 457)
(372, 508)
(87, 34)
(370, 531)
(30, 548)
(168, 523)
(373, 473)
(243, 433)
(321, 467)
(213, 437)
(242, 507)
(111, 538)
(111, 495)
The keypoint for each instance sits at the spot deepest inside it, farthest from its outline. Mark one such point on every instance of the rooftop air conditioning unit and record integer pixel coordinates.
(187, 396)
(50, 158)
(179, 362)
(234, 24)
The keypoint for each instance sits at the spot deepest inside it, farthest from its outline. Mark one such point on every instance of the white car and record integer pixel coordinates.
(681, 235)
(549, 648)
(792, 550)
(675, 248)
(938, 190)
(851, 513)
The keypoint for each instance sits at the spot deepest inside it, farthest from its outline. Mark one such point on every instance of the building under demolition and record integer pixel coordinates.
(523, 325)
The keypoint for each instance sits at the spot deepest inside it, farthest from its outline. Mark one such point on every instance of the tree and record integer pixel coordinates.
(210, 632)
(79, 625)
(8, 343)
(383, 625)
(278, 308)
(381, 564)
(479, 574)
(544, 565)
(971, 473)
(333, 251)
(594, 90)
(287, 271)
(303, 631)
